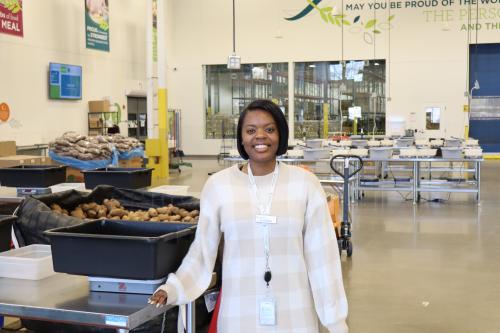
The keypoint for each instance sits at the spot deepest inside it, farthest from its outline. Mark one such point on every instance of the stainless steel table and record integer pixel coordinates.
(66, 298)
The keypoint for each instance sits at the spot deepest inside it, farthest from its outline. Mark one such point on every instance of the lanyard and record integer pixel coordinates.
(264, 203)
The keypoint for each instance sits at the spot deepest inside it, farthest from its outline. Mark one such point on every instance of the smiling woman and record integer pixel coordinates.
(281, 264)
(262, 135)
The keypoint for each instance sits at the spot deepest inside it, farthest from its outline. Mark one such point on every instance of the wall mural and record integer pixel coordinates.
(466, 15)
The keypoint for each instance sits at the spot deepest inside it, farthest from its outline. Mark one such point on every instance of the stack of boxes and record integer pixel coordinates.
(8, 157)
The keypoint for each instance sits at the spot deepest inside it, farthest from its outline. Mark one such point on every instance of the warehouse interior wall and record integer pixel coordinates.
(427, 57)
(425, 51)
(54, 31)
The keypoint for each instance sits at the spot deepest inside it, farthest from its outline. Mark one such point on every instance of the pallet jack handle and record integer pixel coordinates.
(347, 159)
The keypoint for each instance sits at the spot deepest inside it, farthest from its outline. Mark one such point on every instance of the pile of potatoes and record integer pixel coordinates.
(113, 210)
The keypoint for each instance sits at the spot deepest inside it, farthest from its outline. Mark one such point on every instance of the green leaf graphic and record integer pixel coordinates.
(330, 18)
(376, 31)
(16, 10)
(324, 16)
(346, 22)
(327, 9)
(370, 23)
(390, 18)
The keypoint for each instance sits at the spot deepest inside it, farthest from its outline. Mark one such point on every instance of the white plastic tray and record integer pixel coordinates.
(32, 262)
(171, 189)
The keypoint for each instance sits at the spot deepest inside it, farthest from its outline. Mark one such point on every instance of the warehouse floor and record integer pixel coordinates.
(432, 267)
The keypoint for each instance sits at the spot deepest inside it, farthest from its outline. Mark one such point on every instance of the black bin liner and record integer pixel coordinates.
(35, 216)
(125, 249)
(33, 175)
(5, 231)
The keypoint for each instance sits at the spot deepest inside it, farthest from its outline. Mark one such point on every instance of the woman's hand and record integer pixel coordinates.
(159, 298)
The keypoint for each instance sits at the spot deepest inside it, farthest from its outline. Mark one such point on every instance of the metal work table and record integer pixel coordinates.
(66, 298)
(417, 185)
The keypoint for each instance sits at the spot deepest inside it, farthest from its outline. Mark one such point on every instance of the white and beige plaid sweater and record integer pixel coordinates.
(306, 274)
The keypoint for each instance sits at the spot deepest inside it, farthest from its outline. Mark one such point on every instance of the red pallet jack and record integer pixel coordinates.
(352, 165)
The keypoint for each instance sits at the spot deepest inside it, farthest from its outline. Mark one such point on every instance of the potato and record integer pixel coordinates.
(102, 212)
(174, 218)
(183, 213)
(92, 213)
(85, 207)
(174, 210)
(125, 217)
(154, 219)
(92, 206)
(163, 217)
(64, 212)
(78, 212)
(152, 212)
(187, 219)
(56, 207)
(115, 218)
(163, 210)
(118, 212)
(194, 213)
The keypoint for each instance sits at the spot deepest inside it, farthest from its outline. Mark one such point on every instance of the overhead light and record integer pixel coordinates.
(376, 64)
(312, 66)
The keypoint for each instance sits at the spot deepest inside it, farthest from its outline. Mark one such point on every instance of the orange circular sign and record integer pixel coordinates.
(4, 112)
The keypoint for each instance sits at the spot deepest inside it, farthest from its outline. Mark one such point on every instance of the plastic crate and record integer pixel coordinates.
(316, 154)
(314, 143)
(404, 142)
(131, 178)
(121, 249)
(33, 175)
(451, 152)
(453, 143)
(359, 143)
(32, 262)
(5, 231)
(380, 153)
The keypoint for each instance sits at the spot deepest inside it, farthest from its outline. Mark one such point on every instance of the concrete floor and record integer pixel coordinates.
(432, 267)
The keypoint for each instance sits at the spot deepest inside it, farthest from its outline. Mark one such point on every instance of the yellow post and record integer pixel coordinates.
(326, 111)
(355, 126)
(163, 132)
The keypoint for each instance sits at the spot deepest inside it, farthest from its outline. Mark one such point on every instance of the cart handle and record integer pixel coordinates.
(344, 157)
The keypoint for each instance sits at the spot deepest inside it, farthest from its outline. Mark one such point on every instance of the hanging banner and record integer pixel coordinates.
(11, 17)
(97, 24)
(155, 31)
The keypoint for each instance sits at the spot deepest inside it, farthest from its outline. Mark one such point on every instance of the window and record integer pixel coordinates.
(432, 118)
(227, 92)
(351, 93)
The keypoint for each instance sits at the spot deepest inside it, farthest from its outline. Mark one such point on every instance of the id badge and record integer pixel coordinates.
(267, 312)
(265, 219)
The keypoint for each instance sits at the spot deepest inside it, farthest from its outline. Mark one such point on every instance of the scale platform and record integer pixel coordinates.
(26, 191)
(125, 285)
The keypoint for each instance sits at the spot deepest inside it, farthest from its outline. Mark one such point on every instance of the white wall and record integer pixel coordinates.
(427, 63)
(54, 31)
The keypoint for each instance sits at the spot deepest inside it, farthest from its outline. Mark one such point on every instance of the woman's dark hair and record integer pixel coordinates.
(278, 116)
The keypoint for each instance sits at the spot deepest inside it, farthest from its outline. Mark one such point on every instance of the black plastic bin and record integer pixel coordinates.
(132, 178)
(33, 175)
(121, 249)
(5, 231)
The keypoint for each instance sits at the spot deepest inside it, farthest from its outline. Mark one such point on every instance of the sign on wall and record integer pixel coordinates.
(371, 18)
(11, 17)
(97, 24)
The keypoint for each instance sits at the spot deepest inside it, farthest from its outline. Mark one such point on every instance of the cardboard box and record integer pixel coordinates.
(74, 175)
(98, 106)
(7, 148)
(134, 162)
(11, 161)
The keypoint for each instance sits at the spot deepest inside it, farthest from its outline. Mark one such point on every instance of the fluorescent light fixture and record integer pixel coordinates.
(312, 66)
(376, 64)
